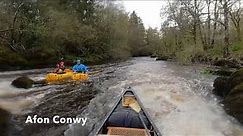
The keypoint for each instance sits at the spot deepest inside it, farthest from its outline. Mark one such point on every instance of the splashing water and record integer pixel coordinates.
(178, 98)
(16, 99)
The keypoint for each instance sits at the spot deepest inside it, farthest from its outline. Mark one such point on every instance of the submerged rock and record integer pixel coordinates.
(23, 82)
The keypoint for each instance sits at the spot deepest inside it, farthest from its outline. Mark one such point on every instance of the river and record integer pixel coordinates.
(178, 98)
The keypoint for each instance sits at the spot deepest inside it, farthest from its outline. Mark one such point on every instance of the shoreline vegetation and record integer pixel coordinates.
(36, 34)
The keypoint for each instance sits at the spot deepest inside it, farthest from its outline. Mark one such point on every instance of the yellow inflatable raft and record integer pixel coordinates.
(80, 76)
(54, 77)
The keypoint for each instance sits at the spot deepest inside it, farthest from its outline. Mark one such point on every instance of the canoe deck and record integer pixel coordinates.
(126, 131)
(128, 118)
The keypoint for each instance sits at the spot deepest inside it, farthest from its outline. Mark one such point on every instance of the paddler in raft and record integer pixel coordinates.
(60, 67)
(79, 68)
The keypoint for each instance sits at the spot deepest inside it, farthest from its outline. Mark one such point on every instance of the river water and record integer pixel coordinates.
(15, 99)
(178, 98)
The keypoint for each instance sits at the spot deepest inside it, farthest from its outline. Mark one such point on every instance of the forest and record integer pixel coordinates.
(37, 33)
(202, 30)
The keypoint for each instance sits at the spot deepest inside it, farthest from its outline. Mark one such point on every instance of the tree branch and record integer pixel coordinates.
(6, 30)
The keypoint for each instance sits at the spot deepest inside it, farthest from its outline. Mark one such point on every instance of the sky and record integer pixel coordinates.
(147, 10)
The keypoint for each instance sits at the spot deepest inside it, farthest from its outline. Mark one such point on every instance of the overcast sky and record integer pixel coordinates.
(148, 10)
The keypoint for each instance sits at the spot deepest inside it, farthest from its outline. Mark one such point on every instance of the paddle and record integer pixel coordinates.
(133, 104)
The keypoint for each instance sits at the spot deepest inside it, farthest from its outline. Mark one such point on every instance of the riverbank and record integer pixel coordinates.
(230, 90)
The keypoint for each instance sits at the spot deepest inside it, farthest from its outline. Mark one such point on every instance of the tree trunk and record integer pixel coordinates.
(215, 23)
(208, 36)
(195, 23)
(238, 33)
(195, 33)
(226, 29)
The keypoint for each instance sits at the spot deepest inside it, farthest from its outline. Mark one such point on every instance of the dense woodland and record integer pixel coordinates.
(36, 33)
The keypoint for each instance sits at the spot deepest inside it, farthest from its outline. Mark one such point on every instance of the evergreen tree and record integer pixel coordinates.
(136, 35)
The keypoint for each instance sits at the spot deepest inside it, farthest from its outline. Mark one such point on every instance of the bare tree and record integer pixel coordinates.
(235, 16)
(208, 22)
(13, 35)
(195, 8)
(216, 16)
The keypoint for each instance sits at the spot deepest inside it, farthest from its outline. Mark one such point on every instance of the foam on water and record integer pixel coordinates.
(179, 106)
(6, 89)
(15, 99)
(16, 106)
(178, 98)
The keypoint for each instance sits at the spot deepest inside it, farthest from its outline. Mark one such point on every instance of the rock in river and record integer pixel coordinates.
(23, 82)
(234, 102)
(236, 78)
(231, 89)
(221, 87)
(164, 58)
